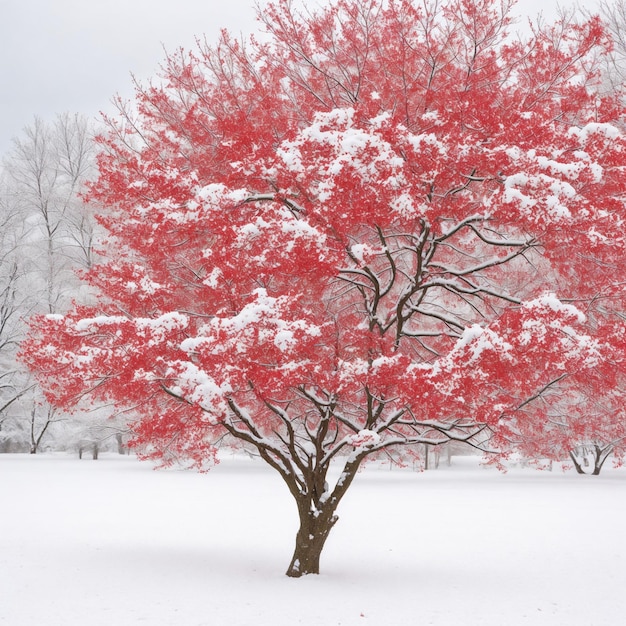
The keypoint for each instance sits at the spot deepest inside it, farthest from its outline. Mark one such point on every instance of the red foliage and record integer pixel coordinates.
(355, 236)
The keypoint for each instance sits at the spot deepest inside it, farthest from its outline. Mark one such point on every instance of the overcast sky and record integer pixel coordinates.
(74, 55)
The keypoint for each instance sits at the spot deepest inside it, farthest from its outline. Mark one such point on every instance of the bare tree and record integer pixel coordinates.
(47, 169)
(48, 233)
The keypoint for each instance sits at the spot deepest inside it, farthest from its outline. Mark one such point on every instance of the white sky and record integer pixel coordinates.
(74, 55)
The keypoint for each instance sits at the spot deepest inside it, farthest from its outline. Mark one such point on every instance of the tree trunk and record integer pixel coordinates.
(577, 465)
(597, 454)
(312, 534)
(601, 455)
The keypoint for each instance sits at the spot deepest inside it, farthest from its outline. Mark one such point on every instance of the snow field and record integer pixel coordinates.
(114, 543)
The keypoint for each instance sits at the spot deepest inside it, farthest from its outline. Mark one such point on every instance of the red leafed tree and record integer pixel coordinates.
(377, 228)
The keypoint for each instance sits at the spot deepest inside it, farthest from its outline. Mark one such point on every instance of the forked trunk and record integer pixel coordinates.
(312, 534)
(592, 456)
(316, 509)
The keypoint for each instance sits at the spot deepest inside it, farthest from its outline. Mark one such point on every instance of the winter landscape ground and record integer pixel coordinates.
(113, 542)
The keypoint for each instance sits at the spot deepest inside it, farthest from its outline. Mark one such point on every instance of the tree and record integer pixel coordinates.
(47, 168)
(368, 232)
(13, 381)
(47, 234)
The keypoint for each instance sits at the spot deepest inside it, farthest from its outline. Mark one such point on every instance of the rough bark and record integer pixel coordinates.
(315, 527)
(317, 507)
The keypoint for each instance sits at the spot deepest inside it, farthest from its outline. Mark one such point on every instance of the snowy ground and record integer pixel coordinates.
(114, 543)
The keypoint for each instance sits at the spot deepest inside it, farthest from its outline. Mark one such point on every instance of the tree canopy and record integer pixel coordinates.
(385, 224)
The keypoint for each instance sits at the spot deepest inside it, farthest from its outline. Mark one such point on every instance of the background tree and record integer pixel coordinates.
(48, 167)
(342, 241)
(47, 235)
(14, 381)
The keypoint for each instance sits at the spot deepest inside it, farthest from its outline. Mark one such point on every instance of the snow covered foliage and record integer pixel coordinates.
(383, 227)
